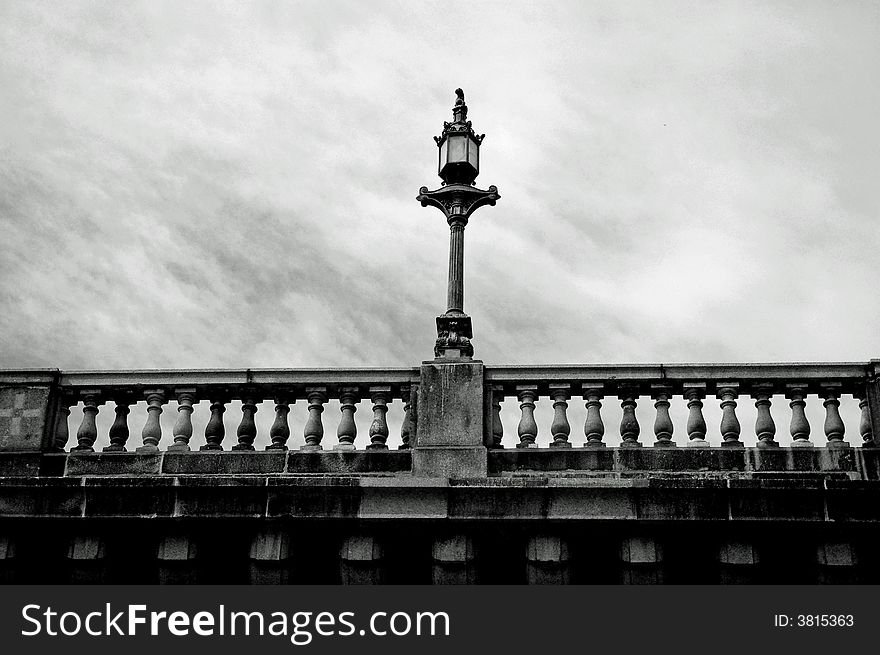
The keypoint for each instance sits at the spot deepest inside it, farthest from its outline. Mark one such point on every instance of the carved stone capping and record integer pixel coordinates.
(629, 424)
(183, 427)
(247, 428)
(119, 430)
(88, 430)
(152, 432)
(663, 427)
(765, 428)
(728, 392)
(560, 429)
(347, 430)
(497, 391)
(694, 392)
(279, 433)
(380, 396)
(866, 430)
(62, 427)
(313, 431)
(834, 427)
(527, 429)
(215, 430)
(800, 426)
(594, 428)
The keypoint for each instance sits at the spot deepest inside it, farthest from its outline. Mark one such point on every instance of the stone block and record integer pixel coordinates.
(683, 499)
(19, 464)
(53, 464)
(145, 497)
(361, 548)
(777, 499)
(271, 544)
(221, 496)
(86, 547)
(239, 462)
(547, 548)
(852, 500)
(640, 550)
(452, 548)
(85, 463)
(373, 461)
(177, 548)
(406, 503)
(738, 553)
(313, 497)
(592, 503)
(449, 462)
(450, 428)
(494, 502)
(23, 417)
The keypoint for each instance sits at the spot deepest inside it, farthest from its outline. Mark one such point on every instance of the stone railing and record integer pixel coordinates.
(456, 409)
(36, 406)
(692, 383)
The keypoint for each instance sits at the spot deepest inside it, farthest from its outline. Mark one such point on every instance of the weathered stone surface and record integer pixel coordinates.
(146, 497)
(85, 463)
(373, 461)
(23, 412)
(413, 503)
(241, 497)
(19, 464)
(449, 461)
(777, 499)
(325, 498)
(226, 462)
(450, 427)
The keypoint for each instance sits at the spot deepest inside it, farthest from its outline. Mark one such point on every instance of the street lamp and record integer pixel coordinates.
(458, 198)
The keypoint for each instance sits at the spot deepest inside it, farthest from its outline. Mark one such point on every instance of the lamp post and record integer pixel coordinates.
(458, 198)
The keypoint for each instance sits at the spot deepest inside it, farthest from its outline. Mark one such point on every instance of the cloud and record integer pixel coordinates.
(234, 185)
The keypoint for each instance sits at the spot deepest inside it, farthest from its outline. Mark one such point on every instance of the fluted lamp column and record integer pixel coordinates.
(457, 198)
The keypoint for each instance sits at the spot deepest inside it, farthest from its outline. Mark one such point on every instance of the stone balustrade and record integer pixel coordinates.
(48, 397)
(692, 385)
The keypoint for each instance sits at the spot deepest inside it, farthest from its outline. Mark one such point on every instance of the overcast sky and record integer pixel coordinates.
(233, 185)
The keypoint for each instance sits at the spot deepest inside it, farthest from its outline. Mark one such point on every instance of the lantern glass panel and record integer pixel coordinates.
(457, 146)
(474, 155)
(443, 148)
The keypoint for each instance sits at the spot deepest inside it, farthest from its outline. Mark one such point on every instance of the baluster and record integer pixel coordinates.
(694, 392)
(119, 429)
(406, 424)
(347, 430)
(834, 427)
(183, 427)
(866, 430)
(594, 428)
(152, 432)
(62, 428)
(800, 426)
(497, 426)
(379, 396)
(279, 433)
(528, 429)
(247, 428)
(560, 428)
(629, 424)
(215, 430)
(728, 392)
(663, 427)
(88, 430)
(765, 428)
(313, 432)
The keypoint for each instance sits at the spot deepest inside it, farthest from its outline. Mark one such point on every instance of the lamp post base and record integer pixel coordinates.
(454, 334)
